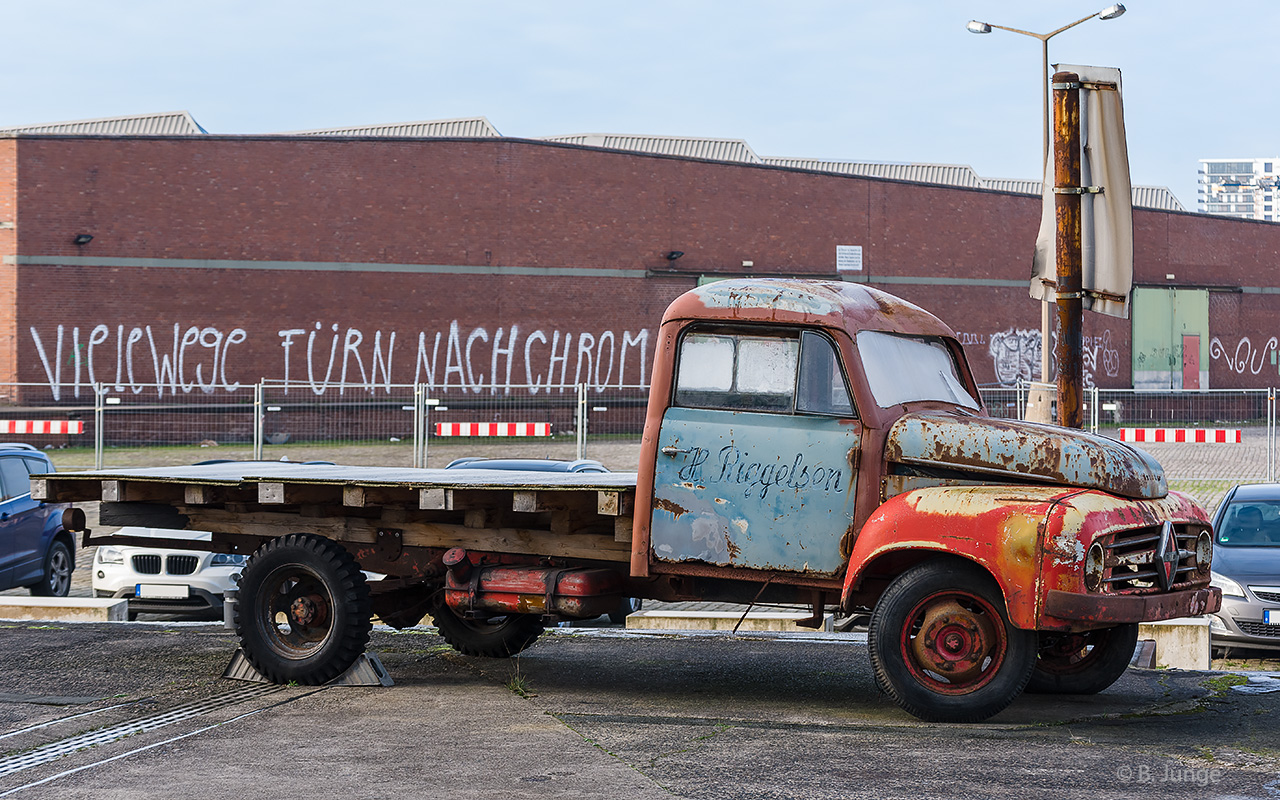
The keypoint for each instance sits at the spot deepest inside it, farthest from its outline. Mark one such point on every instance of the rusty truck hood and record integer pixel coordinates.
(1022, 452)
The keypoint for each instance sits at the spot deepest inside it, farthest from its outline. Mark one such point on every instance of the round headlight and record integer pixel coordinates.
(1204, 551)
(1095, 567)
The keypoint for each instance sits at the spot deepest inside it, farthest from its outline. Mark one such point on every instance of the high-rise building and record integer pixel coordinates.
(1239, 187)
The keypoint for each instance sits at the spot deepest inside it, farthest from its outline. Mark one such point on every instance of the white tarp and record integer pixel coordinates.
(1107, 217)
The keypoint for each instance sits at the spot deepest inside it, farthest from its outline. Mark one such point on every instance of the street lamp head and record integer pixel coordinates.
(1111, 12)
(981, 27)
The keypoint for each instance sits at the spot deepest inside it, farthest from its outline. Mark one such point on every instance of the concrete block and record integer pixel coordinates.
(680, 620)
(65, 609)
(1180, 643)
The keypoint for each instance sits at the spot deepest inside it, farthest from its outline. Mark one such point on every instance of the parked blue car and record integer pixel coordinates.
(35, 550)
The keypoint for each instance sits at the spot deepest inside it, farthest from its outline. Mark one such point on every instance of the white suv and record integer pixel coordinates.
(161, 581)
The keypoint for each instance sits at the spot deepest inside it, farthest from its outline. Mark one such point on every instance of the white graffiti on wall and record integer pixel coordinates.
(1015, 355)
(320, 356)
(1098, 349)
(1245, 356)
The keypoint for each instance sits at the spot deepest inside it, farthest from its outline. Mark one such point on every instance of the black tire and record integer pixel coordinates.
(942, 646)
(58, 566)
(303, 610)
(498, 637)
(1083, 663)
(626, 607)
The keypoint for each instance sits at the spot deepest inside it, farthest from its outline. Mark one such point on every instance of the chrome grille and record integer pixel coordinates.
(1130, 566)
(147, 564)
(182, 565)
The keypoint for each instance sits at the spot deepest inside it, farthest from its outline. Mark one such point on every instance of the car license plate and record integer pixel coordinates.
(1271, 616)
(161, 591)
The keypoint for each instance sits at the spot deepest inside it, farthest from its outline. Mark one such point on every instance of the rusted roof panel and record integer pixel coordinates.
(849, 306)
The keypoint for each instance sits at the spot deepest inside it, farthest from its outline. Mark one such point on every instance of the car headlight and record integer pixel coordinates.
(228, 560)
(109, 555)
(1229, 587)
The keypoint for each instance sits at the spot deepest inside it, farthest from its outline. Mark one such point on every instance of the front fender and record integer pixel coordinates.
(1032, 540)
(998, 527)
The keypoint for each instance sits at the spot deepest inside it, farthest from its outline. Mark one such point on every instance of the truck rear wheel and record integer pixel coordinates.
(303, 613)
(942, 646)
(1083, 663)
(497, 637)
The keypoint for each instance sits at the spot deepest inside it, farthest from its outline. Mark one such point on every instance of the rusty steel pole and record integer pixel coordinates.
(1067, 191)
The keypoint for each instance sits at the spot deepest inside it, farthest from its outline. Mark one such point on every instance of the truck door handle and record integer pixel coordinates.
(671, 450)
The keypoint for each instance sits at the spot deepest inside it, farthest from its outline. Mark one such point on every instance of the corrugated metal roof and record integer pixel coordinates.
(468, 127)
(948, 174)
(1019, 185)
(1158, 197)
(167, 123)
(687, 146)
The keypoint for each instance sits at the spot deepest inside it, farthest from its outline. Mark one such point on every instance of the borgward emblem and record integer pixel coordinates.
(1166, 561)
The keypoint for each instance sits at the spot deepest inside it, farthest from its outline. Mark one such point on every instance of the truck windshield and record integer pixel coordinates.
(904, 369)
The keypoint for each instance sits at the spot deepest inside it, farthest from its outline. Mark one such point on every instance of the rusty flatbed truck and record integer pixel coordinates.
(806, 442)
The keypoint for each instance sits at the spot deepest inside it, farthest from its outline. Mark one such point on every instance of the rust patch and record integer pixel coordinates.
(734, 550)
(666, 505)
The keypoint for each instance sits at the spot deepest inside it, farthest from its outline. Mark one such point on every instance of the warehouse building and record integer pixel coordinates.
(160, 260)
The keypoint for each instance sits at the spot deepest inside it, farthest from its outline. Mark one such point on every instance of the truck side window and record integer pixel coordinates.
(737, 371)
(822, 388)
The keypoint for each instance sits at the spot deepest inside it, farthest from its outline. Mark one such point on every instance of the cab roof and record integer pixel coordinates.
(835, 304)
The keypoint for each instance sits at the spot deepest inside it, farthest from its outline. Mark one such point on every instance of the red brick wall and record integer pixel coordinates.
(511, 203)
(8, 248)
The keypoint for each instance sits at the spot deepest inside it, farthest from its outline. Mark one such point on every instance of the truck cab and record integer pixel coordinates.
(831, 436)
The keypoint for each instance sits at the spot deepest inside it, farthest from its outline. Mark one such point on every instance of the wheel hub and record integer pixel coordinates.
(307, 610)
(954, 642)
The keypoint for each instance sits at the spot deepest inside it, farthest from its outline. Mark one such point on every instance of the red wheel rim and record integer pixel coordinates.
(953, 642)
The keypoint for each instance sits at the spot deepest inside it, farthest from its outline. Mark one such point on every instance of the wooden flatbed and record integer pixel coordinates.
(383, 512)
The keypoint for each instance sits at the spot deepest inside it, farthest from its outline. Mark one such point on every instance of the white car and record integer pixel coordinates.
(163, 581)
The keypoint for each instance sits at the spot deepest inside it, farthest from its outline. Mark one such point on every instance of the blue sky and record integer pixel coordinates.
(886, 81)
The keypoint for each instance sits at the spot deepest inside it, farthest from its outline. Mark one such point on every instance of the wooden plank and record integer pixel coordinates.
(523, 541)
(431, 499)
(52, 490)
(288, 494)
(134, 492)
(613, 504)
(622, 528)
(366, 496)
(526, 502)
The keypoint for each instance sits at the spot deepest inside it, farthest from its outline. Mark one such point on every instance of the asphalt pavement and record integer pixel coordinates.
(119, 710)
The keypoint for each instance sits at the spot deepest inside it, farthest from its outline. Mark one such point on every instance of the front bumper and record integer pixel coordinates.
(1115, 609)
(200, 602)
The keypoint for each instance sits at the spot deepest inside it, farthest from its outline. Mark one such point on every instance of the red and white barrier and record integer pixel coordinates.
(41, 426)
(1209, 435)
(493, 429)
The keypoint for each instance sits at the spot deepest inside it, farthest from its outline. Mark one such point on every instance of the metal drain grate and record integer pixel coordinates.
(55, 750)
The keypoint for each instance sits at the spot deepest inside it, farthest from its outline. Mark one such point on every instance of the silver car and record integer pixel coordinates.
(1246, 567)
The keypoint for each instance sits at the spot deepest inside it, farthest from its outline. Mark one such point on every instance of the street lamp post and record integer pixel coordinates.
(974, 26)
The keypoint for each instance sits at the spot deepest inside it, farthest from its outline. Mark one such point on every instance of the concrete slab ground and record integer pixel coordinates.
(137, 710)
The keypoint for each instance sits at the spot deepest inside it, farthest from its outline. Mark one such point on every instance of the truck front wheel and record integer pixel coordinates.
(1083, 663)
(303, 613)
(496, 637)
(942, 646)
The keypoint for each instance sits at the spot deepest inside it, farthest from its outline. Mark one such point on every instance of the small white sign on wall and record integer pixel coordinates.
(848, 258)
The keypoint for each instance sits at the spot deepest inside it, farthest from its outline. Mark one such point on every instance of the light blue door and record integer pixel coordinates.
(757, 459)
